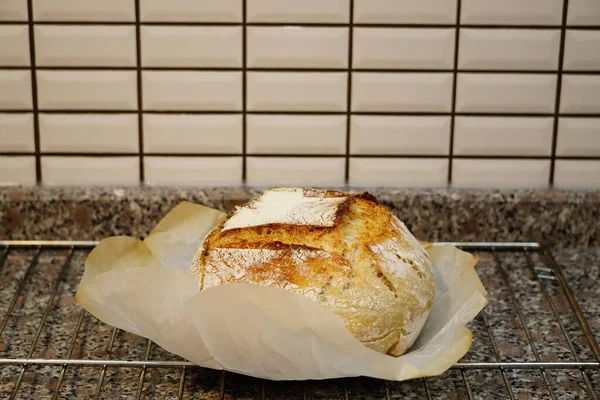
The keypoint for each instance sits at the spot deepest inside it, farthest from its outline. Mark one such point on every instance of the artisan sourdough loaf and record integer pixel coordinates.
(345, 251)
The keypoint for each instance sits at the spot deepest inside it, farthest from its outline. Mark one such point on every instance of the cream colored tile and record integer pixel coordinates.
(192, 90)
(405, 11)
(300, 47)
(398, 172)
(16, 90)
(509, 49)
(401, 91)
(313, 171)
(88, 171)
(399, 135)
(84, 10)
(293, 91)
(505, 93)
(293, 11)
(81, 90)
(89, 133)
(583, 12)
(191, 10)
(193, 171)
(503, 136)
(500, 173)
(13, 10)
(578, 137)
(182, 133)
(513, 12)
(581, 50)
(93, 46)
(14, 45)
(296, 134)
(577, 174)
(580, 94)
(16, 132)
(403, 48)
(191, 46)
(17, 169)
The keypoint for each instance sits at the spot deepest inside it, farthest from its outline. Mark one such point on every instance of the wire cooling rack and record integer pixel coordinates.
(531, 341)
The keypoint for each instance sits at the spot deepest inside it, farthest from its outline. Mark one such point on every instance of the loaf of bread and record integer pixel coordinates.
(345, 251)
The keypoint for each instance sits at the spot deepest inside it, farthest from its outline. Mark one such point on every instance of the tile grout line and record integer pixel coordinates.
(140, 108)
(244, 90)
(454, 81)
(34, 93)
(349, 93)
(559, 74)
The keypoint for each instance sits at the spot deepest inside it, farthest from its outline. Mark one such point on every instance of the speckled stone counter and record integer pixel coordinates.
(566, 220)
(557, 218)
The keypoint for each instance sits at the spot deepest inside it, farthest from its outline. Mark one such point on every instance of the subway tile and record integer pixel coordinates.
(14, 45)
(401, 92)
(192, 90)
(296, 134)
(403, 48)
(90, 133)
(405, 11)
(313, 171)
(293, 11)
(87, 171)
(17, 169)
(300, 47)
(518, 93)
(92, 46)
(191, 46)
(296, 91)
(399, 135)
(16, 90)
(583, 12)
(516, 136)
(64, 90)
(16, 132)
(577, 174)
(580, 94)
(13, 10)
(509, 49)
(512, 12)
(398, 172)
(191, 11)
(84, 10)
(181, 133)
(578, 137)
(193, 171)
(500, 173)
(582, 50)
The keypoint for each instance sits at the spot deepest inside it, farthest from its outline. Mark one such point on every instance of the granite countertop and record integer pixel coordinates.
(565, 220)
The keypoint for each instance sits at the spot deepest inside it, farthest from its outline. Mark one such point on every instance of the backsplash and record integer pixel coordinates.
(472, 93)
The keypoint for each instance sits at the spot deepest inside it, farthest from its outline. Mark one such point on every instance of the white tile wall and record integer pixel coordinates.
(87, 90)
(296, 134)
(264, 92)
(505, 93)
(415, 92)
(183, 133)
(191, 46)
(16, 133)
(293, 11)
(284, 47)
(14, 45)
(384, 48)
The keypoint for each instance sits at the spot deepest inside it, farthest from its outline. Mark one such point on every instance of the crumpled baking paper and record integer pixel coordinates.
(144, 287)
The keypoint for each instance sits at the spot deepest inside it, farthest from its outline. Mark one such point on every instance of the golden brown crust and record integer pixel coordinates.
(365, 266)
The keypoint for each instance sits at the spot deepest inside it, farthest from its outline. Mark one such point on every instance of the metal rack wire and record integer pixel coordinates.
(532, 339)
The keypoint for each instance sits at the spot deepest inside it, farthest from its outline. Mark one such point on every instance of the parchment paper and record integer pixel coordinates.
(144, 287)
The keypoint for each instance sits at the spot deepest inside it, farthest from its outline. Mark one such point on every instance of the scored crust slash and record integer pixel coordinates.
(345, 251)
